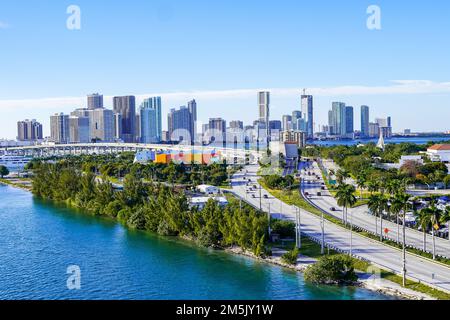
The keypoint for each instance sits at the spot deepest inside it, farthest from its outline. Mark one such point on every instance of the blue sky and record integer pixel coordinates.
(221, 52)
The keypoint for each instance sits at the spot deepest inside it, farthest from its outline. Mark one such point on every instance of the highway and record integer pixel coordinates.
(363, 219)
(381, 255)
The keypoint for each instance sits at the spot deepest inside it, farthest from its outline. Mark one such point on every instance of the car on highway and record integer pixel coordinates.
(332, 209)
(319, 194)
(266, 196)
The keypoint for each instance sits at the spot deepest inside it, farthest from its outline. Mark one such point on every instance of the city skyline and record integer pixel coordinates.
(219, 52)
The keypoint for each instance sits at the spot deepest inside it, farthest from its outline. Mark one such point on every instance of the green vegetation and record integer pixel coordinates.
(3, 171)
(338, 269)
(116, 167)
(290, 257)
(278, 182)
(153, 207)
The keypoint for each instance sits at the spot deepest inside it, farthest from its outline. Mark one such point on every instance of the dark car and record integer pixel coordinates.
(319, 194)
(333, 209)
(266, 196)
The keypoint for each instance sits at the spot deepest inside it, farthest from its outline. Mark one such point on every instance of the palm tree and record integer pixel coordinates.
(345, 198)
(398, 203)
(374, 204)
(361, 182)
(423, 220)
(372, 186)
(434, 214)
(445, 218)
(341, 175)
(404, 198)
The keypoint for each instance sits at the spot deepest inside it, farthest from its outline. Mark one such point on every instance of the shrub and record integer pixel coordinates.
(286, 229)
(290, 257)
(337, 269)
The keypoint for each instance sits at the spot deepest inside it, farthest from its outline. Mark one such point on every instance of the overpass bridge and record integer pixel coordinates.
(231, 155)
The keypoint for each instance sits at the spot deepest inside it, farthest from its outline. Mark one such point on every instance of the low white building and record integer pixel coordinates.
(200, 202)
(418, 159)
(207, 189)
(439, 153)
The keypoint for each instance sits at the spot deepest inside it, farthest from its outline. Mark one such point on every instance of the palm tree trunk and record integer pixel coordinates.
(404, 252)
(434, 244)
(424, 241)
(398, 229)
(376, 225)
(381, 226)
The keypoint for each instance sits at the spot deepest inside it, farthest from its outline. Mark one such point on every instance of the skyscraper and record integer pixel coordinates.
(126, 106)
(95, 101)
(101, 125)
(117, 126)
(295, 116)
(349, 120)
(29, 130)
(236, 124)
(364, 121)
(79, 129)
(192, 106)
(180, 125)
(287, 122)
(338, 118)
(59, 128)
(264, 109)
(217, 130)
(151, 123)
(308, 114)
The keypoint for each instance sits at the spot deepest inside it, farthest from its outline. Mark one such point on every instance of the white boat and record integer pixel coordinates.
(14, 162)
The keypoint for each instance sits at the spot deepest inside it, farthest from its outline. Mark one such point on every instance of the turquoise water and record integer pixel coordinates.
(38, 241)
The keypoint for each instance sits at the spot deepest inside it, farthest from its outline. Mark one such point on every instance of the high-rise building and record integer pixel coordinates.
(101, 125)
(292, 136)
(295, 116)
(308, 114)
(138, 128)
(349, 120)
(79, 129)
(217, 130)
(59, 128)
(264, 109)
(237, 124)
(180, 125)
(126, 106)
(331, 122)
(374, 130)
(29, 130)
(275, 125)
(338, 119)
(192, 106)
(151, 120)
(165, 137)
(287, 122)
(117, 126)
(364, 121)
(95, 101)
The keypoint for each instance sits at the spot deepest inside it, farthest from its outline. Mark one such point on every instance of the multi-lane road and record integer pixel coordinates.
(384, 256)
(363, 219)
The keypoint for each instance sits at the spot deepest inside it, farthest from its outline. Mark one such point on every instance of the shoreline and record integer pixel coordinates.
(387, 287)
